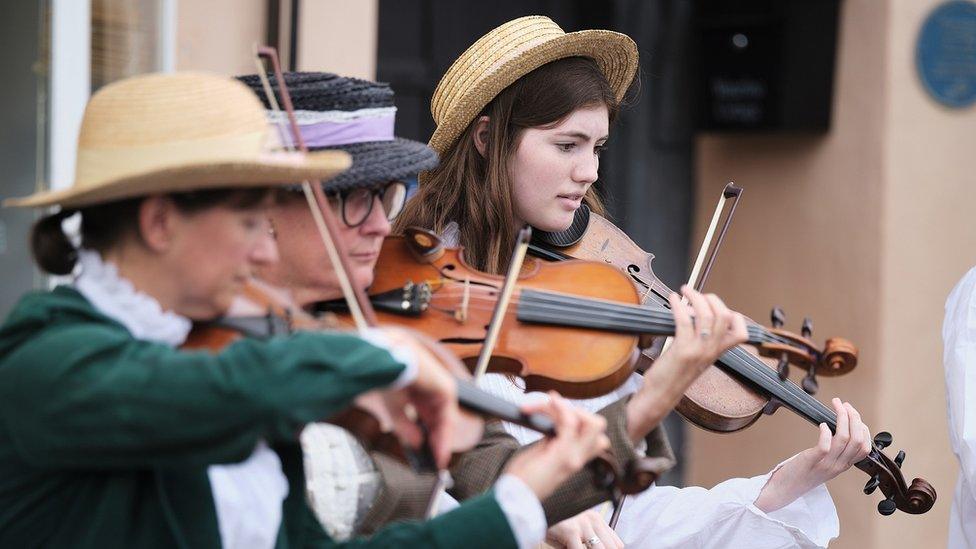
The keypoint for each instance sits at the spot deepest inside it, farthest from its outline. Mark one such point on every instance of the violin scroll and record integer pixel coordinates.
(837, 357)
(886, 474)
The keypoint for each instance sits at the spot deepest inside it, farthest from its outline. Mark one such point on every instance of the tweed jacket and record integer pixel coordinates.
(404, 494)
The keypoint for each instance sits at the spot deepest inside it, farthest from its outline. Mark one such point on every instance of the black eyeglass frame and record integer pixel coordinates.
(374, 193)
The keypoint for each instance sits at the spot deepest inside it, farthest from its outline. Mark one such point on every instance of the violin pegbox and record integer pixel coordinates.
(885, 473)
(837, 357)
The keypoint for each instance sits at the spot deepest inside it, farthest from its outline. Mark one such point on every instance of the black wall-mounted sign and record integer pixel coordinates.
(766, 64)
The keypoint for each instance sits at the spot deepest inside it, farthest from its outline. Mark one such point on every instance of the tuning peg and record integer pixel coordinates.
(777, 317)
(783, 367)
(900, 458)
(871, 485)
(887, 506)
(883, 439)
(810, 384)
(807, 329)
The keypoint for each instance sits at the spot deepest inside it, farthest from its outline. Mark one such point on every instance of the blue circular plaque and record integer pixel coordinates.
(946, 53)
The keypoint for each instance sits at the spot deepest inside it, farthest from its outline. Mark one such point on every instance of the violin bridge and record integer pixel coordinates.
(461, 314)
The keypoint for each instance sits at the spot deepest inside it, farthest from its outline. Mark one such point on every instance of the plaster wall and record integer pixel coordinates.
(339, 36)
(218, 35)
(334, 35)
(865, 229)
(928, 243)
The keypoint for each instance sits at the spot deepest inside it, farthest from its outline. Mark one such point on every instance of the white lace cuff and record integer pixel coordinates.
(402, 355)
(523, 511)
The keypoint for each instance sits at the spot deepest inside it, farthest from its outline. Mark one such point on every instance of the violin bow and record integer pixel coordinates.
(731, 191)
(328, 227)
(501, 306)
(325, 221)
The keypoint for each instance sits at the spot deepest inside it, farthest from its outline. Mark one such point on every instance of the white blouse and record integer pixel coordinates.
(959, 338)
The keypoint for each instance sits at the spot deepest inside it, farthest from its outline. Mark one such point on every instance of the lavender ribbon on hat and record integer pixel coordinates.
(321, 129)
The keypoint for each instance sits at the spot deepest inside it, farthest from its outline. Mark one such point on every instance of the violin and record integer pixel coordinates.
(272, 316)
(575, 327)
(736, 391)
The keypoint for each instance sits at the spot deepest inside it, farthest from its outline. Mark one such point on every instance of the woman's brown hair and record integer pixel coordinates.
(476, 191)
(105, 225)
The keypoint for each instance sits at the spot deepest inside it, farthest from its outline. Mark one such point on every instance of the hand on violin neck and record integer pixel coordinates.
(704, 329)
(431, 398)
(580, 437)
(831, 456)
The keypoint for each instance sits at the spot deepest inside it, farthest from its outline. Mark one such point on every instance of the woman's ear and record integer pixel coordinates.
(156, 222)
(480, 135)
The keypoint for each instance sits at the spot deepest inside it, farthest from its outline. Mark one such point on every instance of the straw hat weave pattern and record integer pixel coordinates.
(511, 51)
(162, 133)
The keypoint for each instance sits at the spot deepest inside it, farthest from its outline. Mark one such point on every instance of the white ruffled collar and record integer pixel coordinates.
(99, 281)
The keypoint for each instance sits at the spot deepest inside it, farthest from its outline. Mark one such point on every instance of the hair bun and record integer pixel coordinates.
(53, 251)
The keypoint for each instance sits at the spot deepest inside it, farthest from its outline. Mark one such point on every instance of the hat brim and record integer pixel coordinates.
(376, 163)
(270, 169)
(615, 54)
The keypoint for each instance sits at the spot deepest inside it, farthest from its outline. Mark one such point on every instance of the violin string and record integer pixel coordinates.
(661, 291)
(549, 304)
(544, 307)
(740, 360)
(643, 313)
(576, 313)
(748, 365)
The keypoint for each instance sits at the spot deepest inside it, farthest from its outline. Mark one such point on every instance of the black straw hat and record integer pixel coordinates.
(352, 115)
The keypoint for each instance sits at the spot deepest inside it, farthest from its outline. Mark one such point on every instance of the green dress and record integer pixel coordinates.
(105, 439)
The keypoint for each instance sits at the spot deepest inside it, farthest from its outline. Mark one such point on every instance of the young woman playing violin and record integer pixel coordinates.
(113, 437)
(521, 118)
(350, 492)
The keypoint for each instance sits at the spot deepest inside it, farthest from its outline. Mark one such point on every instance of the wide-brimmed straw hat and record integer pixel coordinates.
(511, 51)
(355, 116)
(163, 133)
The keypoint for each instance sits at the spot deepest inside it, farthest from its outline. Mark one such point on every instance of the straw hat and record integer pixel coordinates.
(511, 51)
(178, 132)
(354, 116)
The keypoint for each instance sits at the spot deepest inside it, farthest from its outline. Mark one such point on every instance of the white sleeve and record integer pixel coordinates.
(959, 358)
(402, 355)
(725, 516)
(959, 338)
(522, 509)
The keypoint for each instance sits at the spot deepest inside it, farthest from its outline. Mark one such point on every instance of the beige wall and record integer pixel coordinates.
(335, 36)
(865, 229)
(339, 36)
(218, 35)
(929, 242)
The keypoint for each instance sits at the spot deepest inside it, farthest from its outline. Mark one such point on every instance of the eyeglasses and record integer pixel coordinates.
(357, 204)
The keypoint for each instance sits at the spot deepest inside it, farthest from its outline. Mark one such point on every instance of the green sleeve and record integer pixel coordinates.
(478, 523)
(91, 396)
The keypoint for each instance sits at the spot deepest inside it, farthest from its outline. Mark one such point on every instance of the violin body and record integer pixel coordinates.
(576, 362)
(715, 401)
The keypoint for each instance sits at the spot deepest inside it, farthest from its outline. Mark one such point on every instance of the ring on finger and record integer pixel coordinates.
(705, 334)
(592, 542)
